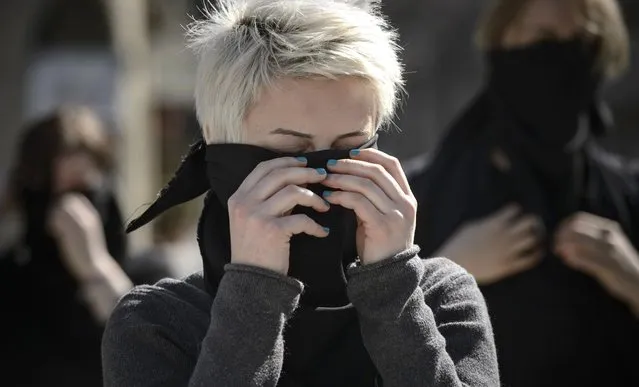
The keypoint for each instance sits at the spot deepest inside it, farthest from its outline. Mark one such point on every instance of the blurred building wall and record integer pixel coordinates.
(16, 23)
(444, 71)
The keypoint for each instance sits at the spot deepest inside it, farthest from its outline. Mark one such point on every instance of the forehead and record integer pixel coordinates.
(314, 106)
(548, 13)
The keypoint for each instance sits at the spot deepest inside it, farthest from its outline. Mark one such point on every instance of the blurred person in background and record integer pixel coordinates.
(521, 195)
(62, 277)
(315, 80)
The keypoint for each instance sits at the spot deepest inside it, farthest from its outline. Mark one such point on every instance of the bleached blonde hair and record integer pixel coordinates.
(244, 46)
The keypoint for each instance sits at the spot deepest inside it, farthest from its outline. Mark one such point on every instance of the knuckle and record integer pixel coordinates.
(379, 169)
(356, 198)
(291, 190)
(368, 184)
(411, 203)
(263, 165)
(394, 162)
(237, 208)
(233, 201)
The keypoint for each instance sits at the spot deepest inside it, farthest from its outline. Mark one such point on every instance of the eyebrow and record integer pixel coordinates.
(289, 132)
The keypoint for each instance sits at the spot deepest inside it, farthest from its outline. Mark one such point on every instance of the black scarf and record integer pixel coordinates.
(323, 341)
(548, 90)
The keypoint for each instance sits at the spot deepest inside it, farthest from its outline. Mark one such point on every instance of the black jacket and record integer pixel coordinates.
(553, 326)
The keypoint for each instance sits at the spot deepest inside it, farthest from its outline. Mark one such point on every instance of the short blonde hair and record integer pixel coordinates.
(244, 46)
(603, 19)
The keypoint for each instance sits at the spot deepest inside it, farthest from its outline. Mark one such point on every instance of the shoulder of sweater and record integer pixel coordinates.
(625, 171)
(444, 278)
(149, 303)
(613, 162)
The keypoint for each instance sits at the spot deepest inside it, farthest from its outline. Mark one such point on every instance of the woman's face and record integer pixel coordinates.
(306, 115)
(543, 20)
(75, 171)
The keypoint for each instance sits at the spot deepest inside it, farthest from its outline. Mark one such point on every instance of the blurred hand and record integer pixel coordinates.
(76, 225)
(598, 247)
(260, 217)
(498, 246)
(373, 185)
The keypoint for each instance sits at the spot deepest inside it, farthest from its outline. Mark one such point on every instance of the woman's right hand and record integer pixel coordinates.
(260, 217)
(498, 246)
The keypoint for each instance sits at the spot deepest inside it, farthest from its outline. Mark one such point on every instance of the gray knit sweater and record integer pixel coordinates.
(423, 322)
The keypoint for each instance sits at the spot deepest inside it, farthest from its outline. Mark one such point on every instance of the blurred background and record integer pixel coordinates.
(127, 60)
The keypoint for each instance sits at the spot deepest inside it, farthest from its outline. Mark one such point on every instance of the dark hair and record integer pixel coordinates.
(67, 130)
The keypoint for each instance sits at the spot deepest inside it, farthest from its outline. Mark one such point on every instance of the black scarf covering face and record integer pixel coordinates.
(320, 263)
(548, 90)
(323, 342)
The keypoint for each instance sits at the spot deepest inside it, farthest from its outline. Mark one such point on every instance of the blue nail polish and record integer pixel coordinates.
(327, 194)
(321, 171)
(331, 162)
(354, 152)
(302, 159)
(327, 230)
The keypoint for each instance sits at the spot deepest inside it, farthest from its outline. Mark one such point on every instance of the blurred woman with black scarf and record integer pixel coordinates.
(521, 195)
(61, 280)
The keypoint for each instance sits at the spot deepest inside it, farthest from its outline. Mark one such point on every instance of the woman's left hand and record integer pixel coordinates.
(77, 227)
(598, 247)
(374, 186)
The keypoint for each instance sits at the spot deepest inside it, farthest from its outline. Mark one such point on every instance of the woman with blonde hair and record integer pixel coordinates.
(310, 274)
(521, 195)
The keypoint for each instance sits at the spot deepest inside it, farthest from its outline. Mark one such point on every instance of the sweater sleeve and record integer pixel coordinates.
(243, 345)
(424, 323)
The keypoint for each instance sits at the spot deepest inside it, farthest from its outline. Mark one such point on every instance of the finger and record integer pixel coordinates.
(373, 172)
(389, 163)
(584, 223)
(301, 224)
(80, 201)
(583, 248)
(364, 209)
(77, 207)
(277, 179)
(506, 214)
(522, 244)
(579, 260)
(264, 168)
(526, 225)
(289, 197)
(363, 186)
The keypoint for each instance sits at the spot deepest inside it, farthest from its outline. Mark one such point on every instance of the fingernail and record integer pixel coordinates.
(354, 152)
(327, 230)
(321, 171)
(331, 162)
(302, 159)
(327, 194)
